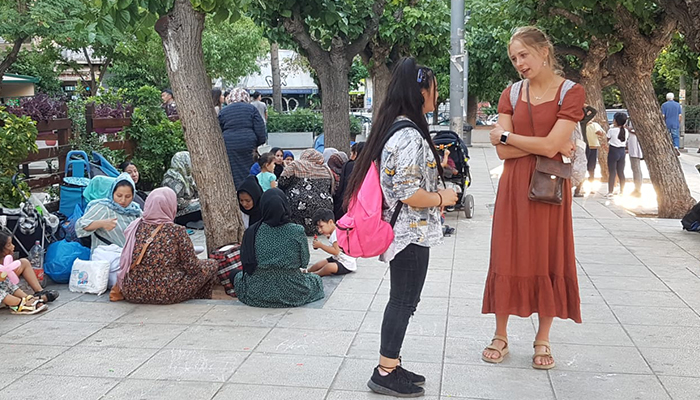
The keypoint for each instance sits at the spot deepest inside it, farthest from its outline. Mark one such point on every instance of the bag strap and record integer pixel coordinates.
(395, 127)
(145, 246)
(103, 239)
(515, 94)
(529, 109)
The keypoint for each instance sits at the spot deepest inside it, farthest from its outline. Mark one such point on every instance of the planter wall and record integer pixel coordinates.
(291, 140)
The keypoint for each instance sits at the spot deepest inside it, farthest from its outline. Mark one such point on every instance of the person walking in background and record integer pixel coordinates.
(259, 105)
(244, 130)
(593, 134)
(636, 157)
(409, 175)
(533, 261)
(592, 145)
(617, 140)
(672, 114)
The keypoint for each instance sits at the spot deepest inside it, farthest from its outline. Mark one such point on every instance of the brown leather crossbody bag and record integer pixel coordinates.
(547, 181)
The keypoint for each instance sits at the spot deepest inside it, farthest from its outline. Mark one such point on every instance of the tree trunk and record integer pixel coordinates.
(472, 105)
(181, 33)
(336, 102)
(381, 76)
(694, 92)
(664, 167)
(11, 57)
(594, 98)
(276, 77)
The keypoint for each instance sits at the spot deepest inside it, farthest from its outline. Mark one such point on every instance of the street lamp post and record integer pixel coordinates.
(456, 67)
(465, 49)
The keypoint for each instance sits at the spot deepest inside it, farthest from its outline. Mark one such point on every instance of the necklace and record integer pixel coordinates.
(545, 92)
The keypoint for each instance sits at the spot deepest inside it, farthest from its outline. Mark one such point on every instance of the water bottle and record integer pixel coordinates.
(36, 258)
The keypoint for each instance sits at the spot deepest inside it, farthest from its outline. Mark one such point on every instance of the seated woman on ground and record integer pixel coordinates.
(158, 263)
(288, 157)
(279, 160)
(249, 195)
(105, 220)
(25, 271)
(273, 252)
(308, 183)
(179, 178)
(130, 168)
(266, 177)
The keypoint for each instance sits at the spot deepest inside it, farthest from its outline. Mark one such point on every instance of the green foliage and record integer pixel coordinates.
(300, 120)
(91, 141)
(305, 120)
(692, 119)
(674, 61)
(157, 138)
(40, 64)
(231, 50)
(357, 73)
(17, 140)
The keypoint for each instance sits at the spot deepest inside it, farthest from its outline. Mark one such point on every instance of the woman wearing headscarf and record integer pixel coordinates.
(98, 188)
(158, 264)
(327, 153)
(336, 163)
(273, 251)
(279, 160)
(106, 219)
(179, 178)
(288, 157)
(308, 183)
(244, 130)
(249, 195)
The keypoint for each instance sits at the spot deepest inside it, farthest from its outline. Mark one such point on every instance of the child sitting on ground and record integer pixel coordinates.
(339, 263)
(267, 177)
(10, 294)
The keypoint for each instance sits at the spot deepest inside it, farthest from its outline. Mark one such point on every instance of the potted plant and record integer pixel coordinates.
(40, 108)
(117, 110)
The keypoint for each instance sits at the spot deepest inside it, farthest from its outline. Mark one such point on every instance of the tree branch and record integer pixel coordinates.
(294, 25)
(687, 23)
(371, 28)
(11, 56)
(664, 31)
(571, 51)
(560, 12)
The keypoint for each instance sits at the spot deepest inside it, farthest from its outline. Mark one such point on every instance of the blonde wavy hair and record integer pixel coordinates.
(533, 38)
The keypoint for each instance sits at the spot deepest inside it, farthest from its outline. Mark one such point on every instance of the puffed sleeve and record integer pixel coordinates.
(504, 106)
(572, 107)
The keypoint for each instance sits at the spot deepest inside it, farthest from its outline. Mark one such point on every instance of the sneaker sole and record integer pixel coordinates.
(388, 392)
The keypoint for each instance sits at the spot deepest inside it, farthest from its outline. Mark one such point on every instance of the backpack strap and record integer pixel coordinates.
(565, 87)
(515, 93)
(395, 127)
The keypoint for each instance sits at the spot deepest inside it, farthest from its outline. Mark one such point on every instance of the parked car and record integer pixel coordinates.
(611, 113)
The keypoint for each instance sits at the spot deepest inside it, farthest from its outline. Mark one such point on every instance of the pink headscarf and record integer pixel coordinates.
(160, 208)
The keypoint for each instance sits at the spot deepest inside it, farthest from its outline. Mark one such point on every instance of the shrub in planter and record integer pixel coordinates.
(157, 137)
(692, 119)
(305, 120)
(40, 107)
(17, 139)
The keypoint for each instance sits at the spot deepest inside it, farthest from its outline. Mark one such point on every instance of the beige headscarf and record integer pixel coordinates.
(238, 95)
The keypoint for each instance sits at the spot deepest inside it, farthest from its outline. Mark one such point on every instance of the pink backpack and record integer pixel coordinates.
(362, 233)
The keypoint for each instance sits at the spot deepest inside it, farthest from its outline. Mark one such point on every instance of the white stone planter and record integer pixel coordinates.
(291, 140)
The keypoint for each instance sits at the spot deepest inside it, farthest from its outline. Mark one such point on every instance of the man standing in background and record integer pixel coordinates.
(262, 107)
(672, 114)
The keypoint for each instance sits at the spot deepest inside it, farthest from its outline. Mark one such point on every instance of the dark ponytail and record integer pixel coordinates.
(621, 120)
(403, 97)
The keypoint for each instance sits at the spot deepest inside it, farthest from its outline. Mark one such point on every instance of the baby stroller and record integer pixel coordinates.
(457, 175)
(27, 225)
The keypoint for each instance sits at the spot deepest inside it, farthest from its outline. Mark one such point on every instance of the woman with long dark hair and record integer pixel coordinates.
(617, 140)
(409, 175)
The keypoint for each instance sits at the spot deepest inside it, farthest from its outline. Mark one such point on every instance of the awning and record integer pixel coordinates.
(14, 78)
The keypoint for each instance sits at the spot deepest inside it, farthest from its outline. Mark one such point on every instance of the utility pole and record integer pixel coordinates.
(465, 51)
(276, 77)
(456, 66)
(681, 99)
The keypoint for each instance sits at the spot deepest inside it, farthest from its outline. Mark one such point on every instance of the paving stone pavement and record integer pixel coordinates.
(640, 295)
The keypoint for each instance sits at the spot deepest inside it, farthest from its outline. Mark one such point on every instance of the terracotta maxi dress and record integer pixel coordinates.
(533, 264)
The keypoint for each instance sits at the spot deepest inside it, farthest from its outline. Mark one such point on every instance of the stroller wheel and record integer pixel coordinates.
(469, 206)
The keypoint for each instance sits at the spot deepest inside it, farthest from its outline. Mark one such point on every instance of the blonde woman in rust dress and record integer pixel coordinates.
(533, 265)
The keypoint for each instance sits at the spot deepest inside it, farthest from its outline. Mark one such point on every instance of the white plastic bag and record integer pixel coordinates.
(111, 254)
(89, 277)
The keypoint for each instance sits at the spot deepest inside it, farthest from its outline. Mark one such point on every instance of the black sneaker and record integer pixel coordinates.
(416, 379)
(395, 384)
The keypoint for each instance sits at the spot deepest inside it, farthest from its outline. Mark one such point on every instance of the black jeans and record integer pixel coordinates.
(408, 271)
(616, 168)
(592, 158)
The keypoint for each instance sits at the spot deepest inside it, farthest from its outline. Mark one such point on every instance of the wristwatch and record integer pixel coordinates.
(504, 137)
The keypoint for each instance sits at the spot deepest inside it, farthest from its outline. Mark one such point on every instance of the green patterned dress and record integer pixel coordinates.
(277, 281)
